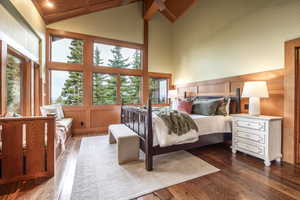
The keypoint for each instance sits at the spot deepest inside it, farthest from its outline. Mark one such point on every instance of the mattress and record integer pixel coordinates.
(206, 125)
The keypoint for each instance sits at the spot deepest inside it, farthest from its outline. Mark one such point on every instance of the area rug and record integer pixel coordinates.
(99, 176)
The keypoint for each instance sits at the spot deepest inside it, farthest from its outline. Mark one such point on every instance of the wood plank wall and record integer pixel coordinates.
(227, 86)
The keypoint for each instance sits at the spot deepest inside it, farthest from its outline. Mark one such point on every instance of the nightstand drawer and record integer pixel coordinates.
(250, 136)
(250, 124)
(254, 149)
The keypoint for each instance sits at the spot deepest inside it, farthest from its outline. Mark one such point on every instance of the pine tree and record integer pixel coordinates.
(13, 77)
(72, 92)
(118, 60)
(97, 59)
(130, 85)
(104, 88)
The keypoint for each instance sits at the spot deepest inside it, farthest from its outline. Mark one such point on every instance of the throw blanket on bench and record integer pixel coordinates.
(177, 122)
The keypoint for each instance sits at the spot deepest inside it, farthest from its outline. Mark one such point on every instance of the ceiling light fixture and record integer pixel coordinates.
(49, 4)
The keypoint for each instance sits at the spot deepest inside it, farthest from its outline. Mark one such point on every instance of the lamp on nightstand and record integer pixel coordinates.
(255, 90)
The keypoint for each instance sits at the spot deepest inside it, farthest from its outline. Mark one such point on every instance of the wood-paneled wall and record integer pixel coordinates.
(226, 86)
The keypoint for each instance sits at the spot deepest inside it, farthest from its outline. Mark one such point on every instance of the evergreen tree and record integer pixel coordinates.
(118, 60)
(73, 88)
(13, 77)
(104, 88)
(97, 59)
(130, 89)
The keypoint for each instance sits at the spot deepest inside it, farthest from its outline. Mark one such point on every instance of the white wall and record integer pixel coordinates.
(218, 39)
(122, 23)
(160, 45)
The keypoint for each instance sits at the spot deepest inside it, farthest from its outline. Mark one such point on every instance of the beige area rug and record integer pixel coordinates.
(99, 177)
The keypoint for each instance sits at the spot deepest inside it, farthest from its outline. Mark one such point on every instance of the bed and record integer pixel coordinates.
(144, 123)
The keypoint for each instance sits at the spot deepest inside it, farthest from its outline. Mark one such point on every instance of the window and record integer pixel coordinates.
(159, 90)
(116, 56)
(104, 89)
(66, 87)
(13, 81)
(66, 50)
(130, 89)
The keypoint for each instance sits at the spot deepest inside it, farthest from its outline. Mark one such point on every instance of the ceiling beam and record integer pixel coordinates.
(171, 9)
(152, 7)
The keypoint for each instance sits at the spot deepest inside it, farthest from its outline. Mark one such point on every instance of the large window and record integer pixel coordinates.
(130, 89)
(66, 50)
(13, 84)
(66, 87)
(104, 89)
(110, 70)
(116, 56)
(159, 90)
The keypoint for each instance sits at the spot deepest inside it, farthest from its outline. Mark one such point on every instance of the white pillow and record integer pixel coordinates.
(56, 109)
(60, 110)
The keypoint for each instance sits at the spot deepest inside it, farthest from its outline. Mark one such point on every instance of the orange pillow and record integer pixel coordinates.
(185, 106)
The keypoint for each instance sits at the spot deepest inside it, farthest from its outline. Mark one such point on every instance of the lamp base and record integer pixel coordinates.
(254, 106)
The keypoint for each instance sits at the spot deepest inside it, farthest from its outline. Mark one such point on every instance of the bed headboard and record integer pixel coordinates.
(235, 100)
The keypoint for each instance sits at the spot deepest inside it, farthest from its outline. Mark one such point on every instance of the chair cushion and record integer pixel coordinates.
(121, 130)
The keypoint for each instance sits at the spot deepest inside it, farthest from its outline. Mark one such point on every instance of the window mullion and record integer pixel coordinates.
(119, 102)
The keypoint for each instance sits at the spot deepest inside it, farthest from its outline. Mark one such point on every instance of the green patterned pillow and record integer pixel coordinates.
(223, 108)
(206, 107)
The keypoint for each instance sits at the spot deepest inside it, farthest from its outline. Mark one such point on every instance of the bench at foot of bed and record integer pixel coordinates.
(128, 143)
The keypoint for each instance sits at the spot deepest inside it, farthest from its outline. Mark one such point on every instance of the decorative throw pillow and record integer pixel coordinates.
(223, 108)
(52, 109)
(185, 106)
(206, 107)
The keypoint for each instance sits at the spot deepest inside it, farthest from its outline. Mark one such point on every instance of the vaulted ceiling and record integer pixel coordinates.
(56, 10)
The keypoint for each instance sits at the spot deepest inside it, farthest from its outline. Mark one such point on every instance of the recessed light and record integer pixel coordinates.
(49, 4)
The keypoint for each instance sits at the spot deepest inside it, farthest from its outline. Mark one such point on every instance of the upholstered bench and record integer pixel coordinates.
(128, 142)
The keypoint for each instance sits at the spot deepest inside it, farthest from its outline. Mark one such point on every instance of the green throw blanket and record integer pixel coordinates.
(177, 122)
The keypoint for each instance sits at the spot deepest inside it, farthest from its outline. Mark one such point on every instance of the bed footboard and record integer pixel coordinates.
(139, 119)
(27, 148)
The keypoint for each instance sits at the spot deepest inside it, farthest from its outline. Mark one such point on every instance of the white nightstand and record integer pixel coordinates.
(259, 136)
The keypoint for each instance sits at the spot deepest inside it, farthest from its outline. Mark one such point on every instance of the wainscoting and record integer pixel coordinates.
(93, 119)
(227, 86)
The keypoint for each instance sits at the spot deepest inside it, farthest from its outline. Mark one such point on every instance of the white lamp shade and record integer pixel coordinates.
(172, 94)
(255, 89)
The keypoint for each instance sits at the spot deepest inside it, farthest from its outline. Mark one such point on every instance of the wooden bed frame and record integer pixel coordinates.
(140, 121)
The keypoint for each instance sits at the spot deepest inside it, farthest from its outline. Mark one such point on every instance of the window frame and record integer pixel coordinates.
(14, 53)
(117, 89)
(50, 86)
(166, 76)
(88, 67)
(168, 87)
(119, 44)
(27, 102)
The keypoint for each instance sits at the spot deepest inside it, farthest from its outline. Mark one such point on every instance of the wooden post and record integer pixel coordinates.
(149, 139)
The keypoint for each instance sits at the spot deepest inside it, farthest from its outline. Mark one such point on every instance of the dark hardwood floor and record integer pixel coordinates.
(241, 177)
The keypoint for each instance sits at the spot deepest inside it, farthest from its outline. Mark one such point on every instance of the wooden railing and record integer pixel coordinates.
(26, 148)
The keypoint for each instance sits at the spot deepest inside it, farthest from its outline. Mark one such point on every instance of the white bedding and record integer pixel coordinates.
(205, 124)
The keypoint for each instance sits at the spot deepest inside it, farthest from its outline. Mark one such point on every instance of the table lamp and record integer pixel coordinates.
(255, 90)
